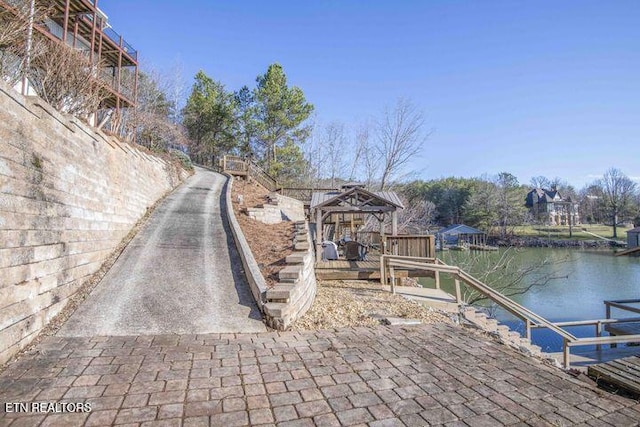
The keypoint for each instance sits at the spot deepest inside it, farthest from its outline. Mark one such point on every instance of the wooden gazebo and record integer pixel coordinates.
(355, 200)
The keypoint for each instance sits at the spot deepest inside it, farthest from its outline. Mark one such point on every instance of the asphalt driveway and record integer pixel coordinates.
(180, 275)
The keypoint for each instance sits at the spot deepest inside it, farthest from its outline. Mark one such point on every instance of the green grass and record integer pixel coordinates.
(562, 231)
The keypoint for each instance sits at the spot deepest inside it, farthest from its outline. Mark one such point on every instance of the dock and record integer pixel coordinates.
(622, 373)
(629, 251)
(582, 360)
(630, 328)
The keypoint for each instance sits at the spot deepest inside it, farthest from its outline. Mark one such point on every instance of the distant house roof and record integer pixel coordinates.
(634, 230)
(541, 195)
(459, 229)
(378, 198)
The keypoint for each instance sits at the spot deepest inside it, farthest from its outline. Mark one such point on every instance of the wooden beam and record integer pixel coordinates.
(363, 209)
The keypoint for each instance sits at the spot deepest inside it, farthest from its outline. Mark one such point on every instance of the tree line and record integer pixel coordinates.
(496, 203)
(273, 124)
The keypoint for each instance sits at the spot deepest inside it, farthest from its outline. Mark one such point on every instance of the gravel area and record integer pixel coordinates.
(352, 303)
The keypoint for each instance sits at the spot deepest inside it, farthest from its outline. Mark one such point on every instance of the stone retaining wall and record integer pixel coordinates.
(68, 195)
(277, 209)
(251, 270)
(293, 295)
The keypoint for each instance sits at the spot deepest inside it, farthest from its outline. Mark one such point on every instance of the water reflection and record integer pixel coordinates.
(584, 279)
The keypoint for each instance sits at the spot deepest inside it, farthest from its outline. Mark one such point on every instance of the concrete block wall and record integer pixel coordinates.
(251, 269)
(294, 294)
(68, 196)
(277, 209)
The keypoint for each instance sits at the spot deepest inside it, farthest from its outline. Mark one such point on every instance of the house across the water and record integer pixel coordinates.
(550, 208)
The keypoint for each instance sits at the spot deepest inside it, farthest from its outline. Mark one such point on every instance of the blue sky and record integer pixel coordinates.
(533, 88)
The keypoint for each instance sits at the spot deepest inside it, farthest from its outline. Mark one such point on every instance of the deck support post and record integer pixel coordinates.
(458, 291)
(437, 277)
(566, 350)
(527, 329)
(393, 279)
(598, 334)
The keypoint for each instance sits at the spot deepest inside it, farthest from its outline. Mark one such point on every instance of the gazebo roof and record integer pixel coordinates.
(356, 199)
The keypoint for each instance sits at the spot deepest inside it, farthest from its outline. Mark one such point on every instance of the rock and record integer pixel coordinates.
(393, 321)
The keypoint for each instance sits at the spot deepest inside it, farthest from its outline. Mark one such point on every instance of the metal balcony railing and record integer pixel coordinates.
(115, 37)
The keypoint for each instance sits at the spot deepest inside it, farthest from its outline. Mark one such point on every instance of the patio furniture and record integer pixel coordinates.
(354, 251)
(329, 251)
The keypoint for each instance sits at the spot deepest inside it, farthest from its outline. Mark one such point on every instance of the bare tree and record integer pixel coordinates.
(334, 147)
(618, 192)
(416, 217)
(65, 78)
(507, 275)
(16, 23)
(152, 118)
(366, 158)
(540, 182)
(400, 137)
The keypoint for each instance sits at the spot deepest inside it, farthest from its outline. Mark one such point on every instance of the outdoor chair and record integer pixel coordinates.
(329, 251)
(354, 251)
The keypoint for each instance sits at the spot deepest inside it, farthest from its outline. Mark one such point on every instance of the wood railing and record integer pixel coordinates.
(413, 245)
(235, 165)
(258, 174)
(388, 264)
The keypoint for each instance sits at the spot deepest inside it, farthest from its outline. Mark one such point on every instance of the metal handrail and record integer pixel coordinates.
(436, 265)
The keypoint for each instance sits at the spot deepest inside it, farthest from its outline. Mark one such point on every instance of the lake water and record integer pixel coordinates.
(586, 279)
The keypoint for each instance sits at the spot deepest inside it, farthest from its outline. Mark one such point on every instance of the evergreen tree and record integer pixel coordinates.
(210, 117)
(279, 112)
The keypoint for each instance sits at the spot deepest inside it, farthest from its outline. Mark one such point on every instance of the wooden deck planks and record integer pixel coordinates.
(623, 373)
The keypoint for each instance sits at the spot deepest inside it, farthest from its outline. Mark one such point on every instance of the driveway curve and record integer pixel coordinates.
(181, 274)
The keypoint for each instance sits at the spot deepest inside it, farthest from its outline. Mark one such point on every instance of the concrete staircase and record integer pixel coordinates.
(504, 334)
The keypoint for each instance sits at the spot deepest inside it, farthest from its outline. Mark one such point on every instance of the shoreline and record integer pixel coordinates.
(541, 242)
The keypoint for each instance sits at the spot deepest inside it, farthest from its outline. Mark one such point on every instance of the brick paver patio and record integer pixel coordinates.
(383, 376)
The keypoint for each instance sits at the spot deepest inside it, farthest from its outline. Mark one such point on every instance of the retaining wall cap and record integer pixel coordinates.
(296, 258)
(257, 282)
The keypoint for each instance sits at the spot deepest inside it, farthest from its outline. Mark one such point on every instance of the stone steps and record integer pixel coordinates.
(292, 296)
(502, 332)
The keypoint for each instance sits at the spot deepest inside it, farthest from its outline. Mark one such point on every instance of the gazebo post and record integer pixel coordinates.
(382, 240)
(318, 235)
(394, 223)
